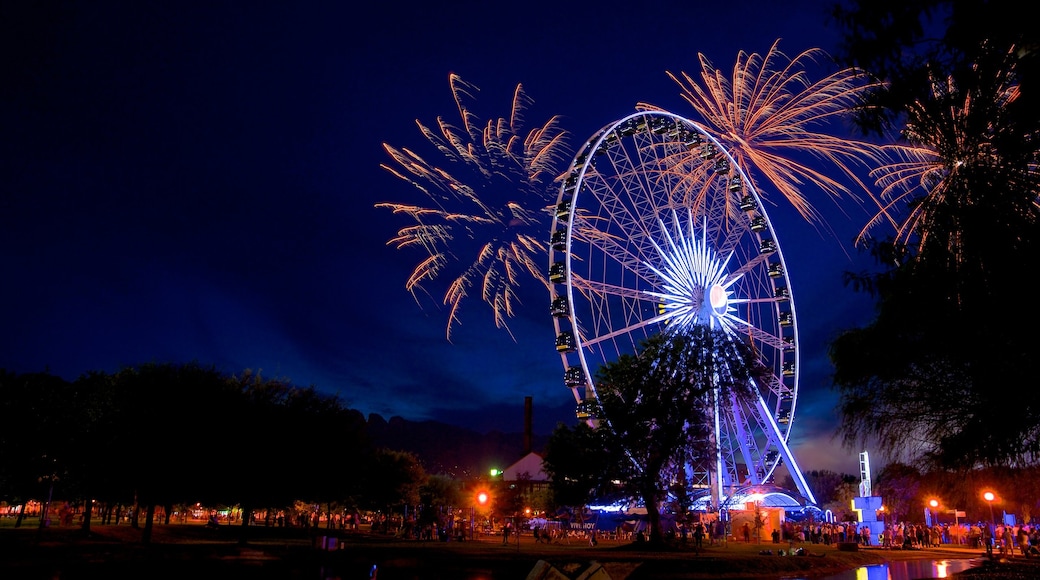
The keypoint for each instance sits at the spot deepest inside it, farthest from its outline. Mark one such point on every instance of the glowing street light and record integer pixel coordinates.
(930, 511)
(989, 497)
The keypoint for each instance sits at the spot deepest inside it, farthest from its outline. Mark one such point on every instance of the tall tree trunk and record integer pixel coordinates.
(134, 512)
(44, 519)
(149, 517)
(88, 510)
(653, 509)
(653, 516)
(243, 536)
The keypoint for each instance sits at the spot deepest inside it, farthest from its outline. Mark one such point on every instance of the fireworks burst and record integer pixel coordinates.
(956, 154)
(771, 117)
(496, 194)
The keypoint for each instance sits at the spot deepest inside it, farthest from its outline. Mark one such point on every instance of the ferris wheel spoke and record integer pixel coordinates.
(619, 234)
(610, 246)
(595, 341)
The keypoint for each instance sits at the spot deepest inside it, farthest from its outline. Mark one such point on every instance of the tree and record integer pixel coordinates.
(907, 42)
(581, 465)
(153, 389)
(437, 495)
(392, 479)
(97, 472)
(39, 438)
(899, 485)
(327, 442)
(926, 379)
(658, 404)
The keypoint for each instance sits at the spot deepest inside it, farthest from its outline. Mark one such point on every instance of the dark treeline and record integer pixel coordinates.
(167, 436)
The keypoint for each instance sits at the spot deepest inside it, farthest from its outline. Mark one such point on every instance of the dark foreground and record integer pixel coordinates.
(191, 551)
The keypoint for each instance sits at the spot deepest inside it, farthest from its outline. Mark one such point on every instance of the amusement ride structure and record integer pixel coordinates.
(656, 227)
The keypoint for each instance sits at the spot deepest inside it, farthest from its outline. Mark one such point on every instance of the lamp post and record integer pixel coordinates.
(883, 540)
(989, 497)
(483, 498)
(988, 537)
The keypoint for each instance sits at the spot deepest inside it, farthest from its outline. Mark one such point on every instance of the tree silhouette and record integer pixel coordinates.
(658, 405)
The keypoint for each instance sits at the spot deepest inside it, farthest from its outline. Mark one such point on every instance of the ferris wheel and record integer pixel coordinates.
(655, 226)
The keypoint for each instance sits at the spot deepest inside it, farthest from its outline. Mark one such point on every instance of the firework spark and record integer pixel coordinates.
(496, 195)
(956, 153)
(771, 116)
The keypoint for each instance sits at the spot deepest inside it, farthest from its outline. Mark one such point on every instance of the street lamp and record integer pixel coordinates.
(989, 497)
(482, 499)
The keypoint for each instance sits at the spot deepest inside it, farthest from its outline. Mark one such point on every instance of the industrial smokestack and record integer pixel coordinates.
(528, 428)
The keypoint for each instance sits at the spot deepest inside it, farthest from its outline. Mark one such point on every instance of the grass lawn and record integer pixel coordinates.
(191, 551)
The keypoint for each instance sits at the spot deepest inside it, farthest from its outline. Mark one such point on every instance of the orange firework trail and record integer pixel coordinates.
(771, 116)
(487, 161)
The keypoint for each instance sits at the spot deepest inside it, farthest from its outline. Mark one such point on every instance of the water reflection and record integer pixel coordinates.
(908, 570)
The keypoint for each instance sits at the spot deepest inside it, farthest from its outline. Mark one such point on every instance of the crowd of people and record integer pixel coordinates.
(1005, 539)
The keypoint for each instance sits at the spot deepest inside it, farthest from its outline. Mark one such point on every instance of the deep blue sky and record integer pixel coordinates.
(196, 181)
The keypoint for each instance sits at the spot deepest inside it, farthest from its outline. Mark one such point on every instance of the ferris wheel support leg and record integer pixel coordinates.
(785, 453)
(716, 478)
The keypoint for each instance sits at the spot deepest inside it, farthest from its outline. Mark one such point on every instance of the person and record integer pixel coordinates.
(592, 538)
(698, 535)
(987, 539)
(535, 532)
(720, 531)
(746, 530)
(505, 533)
(213, 523)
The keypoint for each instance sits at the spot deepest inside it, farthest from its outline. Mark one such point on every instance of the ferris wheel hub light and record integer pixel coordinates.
(718, 298)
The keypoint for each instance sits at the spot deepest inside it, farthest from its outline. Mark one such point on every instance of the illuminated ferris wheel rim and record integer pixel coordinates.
(720, 301)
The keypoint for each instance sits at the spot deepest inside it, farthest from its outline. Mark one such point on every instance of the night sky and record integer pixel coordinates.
(197, 180)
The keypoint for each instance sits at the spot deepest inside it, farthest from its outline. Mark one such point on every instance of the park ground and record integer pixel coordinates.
(192, 551)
